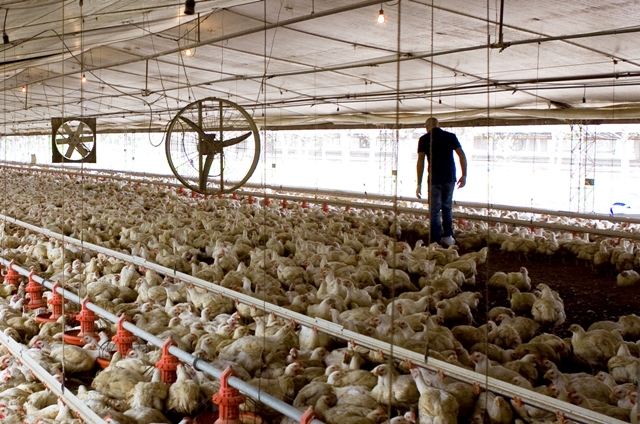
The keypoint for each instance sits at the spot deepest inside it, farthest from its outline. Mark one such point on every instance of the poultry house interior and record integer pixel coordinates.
(460, 305)
(190, 244)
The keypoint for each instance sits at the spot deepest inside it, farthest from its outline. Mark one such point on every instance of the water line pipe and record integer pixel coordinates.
(323, 192)
(336, 330)
(187, 358)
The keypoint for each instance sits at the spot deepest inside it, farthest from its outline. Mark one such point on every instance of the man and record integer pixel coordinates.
(438, 145)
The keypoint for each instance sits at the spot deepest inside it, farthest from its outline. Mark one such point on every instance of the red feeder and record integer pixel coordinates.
(308, 416)
(267, 201)
(228, 399)
(168, 363)
(56, 303)
(305, 205)
(123, 339)
(12, 276)
(285, 204)
(35, 294)
(220, 196)
(180, 190)
(234, 196)
(251, 200)
(347, 208)
(325, 207)
(194, 194)
(87, 326)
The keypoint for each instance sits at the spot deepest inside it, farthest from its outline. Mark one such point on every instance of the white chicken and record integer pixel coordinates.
(627, 278)
(184, 394)
(394, 389)
(436, 406)
(548, 310)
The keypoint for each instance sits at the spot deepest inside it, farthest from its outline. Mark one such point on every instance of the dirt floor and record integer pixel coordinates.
(588, 296)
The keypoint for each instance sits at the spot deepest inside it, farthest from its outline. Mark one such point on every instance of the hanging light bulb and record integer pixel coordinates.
(189, 52)
(381, 16)
(24, 89)
(84, 78)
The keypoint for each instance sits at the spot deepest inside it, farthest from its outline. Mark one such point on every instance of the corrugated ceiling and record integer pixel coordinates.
(302, 63)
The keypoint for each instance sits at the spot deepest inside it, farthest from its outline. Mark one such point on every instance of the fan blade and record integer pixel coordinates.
(82, 150)
(236, 140)
(204, 174)
(195, 127)
(70, 150)
(79, 129)
(67, 129)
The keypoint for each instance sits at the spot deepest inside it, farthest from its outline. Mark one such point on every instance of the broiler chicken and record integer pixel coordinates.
(497, 409)
(74, 359)
(435, 405)
(394, 279)
(454, 312)
(627, 278)
(548, 310)
(184, 394)
(117, 382)
(594, 348)
(394, 389)
(520, 302)
(251, 351)
(484, 367)
(624, 367)
(149, 394)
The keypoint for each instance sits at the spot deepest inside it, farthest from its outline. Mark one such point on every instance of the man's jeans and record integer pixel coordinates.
(441, 198)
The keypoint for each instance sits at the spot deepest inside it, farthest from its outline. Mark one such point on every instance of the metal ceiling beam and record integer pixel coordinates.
(467, 15)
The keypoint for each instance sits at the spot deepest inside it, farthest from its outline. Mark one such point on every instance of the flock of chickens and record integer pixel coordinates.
(338, 266)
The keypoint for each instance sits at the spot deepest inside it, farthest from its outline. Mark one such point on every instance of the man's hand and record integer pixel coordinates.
(462, 181)
(418, 191)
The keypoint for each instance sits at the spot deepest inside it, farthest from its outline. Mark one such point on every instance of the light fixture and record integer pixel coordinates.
(84, 78)
(189, 7)
(24, 89)
(381, 16)
(189, 52)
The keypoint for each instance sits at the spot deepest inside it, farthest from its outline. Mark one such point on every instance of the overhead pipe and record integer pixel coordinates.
(333, 329)
(185, 357)
(261, 28)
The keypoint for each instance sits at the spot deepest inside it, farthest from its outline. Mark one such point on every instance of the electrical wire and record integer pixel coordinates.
(395, 221)
(486, 288)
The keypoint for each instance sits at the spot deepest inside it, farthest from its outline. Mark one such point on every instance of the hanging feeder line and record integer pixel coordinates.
(19, 351)
(183, 356)
(334, 194)
(336, 330)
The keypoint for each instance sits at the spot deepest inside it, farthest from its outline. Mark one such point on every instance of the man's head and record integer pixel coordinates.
(431, 123)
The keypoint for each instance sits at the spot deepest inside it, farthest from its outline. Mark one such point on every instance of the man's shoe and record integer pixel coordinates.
(448, 241)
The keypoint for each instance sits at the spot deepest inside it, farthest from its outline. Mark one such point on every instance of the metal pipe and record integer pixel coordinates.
(336, 330)
(239, 384)
(214, 40)
(500, 38)
(340, 332)
(414, 211)
(337, 193)
(19, 351)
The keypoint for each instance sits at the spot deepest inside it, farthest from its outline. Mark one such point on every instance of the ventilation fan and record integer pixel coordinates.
(73, 140)
(212, 146)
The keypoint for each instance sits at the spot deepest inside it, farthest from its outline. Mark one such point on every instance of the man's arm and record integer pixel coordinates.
(462, 181)
(420, 171)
